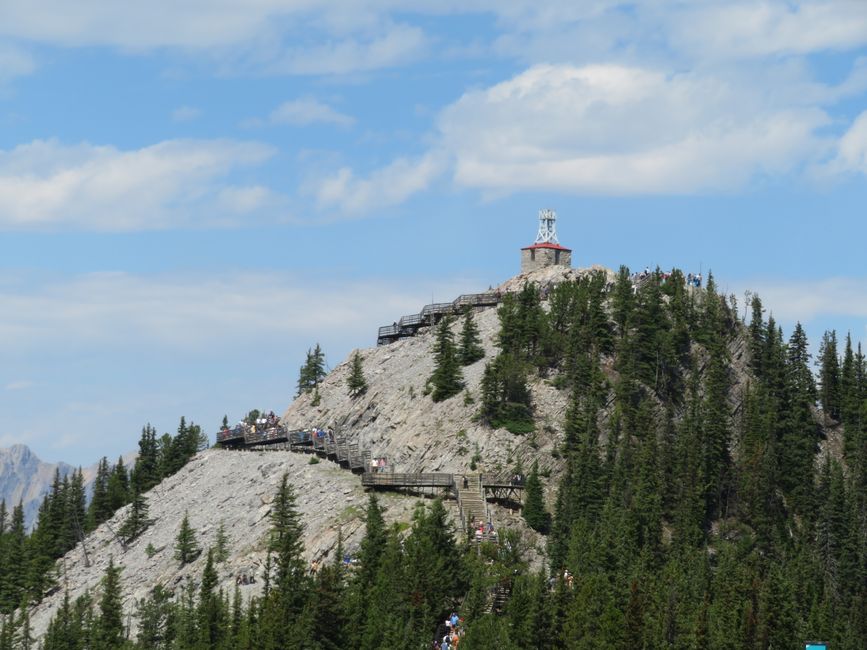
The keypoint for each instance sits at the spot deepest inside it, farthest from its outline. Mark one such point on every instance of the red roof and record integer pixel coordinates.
(556, 247)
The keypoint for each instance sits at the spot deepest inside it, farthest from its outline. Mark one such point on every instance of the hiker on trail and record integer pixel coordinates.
(466, 483)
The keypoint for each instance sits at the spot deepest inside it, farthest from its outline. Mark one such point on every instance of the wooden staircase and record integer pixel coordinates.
(497, 599)
(471, 499)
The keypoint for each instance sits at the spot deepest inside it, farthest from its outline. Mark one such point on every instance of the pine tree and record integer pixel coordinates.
(829, 375)
(850, 398)
(447, 378)
(356, 383)
(387, 615)
(506, 399)
(186, 547)
(470, 349)
(166, 451)
(75, 516)
(146, 471)
(211, 613)
(109, 625)
(118, 486)
(289, 586)
(221, 544)
(312, 372)
(155, 616)
(326, 608)
(433, 576)
(100, 506)
(372, 545)
(757, 336)
(13, 581)
(369, 560)
(183, 447)
(137, 520)
(534, 511)
(63, 632)
(490, 395)
(186, 619)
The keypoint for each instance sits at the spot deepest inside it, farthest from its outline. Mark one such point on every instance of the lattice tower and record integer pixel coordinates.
(547, 227)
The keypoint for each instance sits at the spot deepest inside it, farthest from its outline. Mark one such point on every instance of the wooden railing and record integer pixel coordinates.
(395, 480)
(264, 436)
(430, 314)
(225, 436)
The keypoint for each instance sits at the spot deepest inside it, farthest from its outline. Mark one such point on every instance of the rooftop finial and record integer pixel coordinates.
(547, 227)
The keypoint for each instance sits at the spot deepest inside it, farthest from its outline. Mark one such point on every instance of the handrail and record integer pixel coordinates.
(408, 324)
(272, 434)
(407, 480)
(225, 435)
(437, 308)
(499, 480)
(410, 320)
(389, 330)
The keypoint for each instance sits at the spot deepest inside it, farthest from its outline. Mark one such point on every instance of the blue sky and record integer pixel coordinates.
(193, 193)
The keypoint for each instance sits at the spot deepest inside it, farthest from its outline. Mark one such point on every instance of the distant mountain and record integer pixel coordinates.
(26, 478)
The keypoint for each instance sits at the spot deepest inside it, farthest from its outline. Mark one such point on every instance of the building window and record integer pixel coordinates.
(532, 254)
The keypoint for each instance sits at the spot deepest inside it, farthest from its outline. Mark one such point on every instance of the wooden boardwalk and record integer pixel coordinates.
(472, 499)
(432, 314)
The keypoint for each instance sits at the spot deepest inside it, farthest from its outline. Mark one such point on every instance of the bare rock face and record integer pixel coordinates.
(395, 418)
(233, 488)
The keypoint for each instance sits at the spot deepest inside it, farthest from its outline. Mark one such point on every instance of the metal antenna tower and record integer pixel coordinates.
(547, 227)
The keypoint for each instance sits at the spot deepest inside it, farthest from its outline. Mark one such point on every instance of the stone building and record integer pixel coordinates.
(546, 250)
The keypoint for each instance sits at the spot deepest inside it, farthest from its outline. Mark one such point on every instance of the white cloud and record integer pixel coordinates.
(387, 186)
(196, 312)
(345, 36)
(600, 129)
(622, 130)
(276, 36)
(246, 200)
(160, 23)
(397, 45)
(176, 183)
(14, 62)
(186, 114)
(851, 150)
(19, 384)
(806, 300)
(303, 112)
(736, 30)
